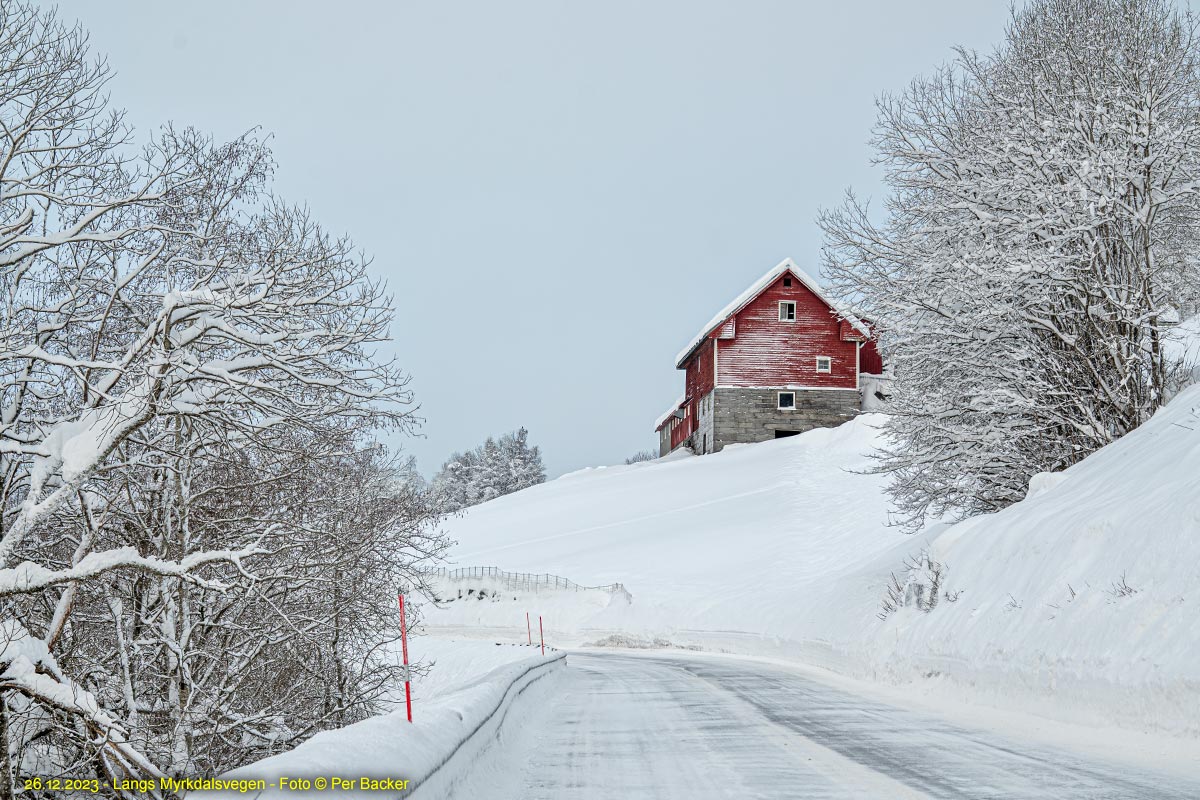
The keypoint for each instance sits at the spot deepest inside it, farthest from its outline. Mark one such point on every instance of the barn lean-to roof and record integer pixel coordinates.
(753, 291)
(658, 423)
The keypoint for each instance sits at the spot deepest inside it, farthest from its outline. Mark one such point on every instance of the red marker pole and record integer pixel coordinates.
(528, 630)
(542, 634)
(404, 650)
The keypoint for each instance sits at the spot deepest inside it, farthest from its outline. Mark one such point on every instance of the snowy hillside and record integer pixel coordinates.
(736, 541)
(1089, 588)
(1078, 602)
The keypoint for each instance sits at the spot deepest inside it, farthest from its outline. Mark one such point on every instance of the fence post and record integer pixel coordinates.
(404, 650)
(528, 630)
(542, 634)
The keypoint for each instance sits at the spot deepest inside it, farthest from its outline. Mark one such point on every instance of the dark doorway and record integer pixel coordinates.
(785, 434)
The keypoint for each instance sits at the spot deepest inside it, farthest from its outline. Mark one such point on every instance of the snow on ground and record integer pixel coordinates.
(454, 664)
(1087, 591)
(1078, 603)
(505, 608)
(727, 542)
(1182, 343)
(467, 681)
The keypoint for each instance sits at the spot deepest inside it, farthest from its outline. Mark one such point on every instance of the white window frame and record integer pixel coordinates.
(828, 365)
(779, 401)
(783, 304)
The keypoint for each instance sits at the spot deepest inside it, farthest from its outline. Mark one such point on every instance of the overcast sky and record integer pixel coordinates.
(559, 194)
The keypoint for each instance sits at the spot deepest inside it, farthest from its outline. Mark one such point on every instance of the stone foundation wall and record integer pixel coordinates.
(703, 439)
(752, 415)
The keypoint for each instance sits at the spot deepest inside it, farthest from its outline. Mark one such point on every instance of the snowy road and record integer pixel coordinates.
(679, 726)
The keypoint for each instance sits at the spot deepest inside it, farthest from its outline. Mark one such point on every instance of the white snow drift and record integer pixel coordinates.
(471, 686)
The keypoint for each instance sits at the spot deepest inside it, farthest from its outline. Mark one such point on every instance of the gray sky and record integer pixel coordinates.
(559, 194)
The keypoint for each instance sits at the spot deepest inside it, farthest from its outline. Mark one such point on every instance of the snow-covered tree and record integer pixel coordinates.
(497, 467)
(207, 677)
(1037, 239)
(188, 385)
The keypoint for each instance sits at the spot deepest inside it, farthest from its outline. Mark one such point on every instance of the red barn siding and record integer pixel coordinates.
(683, 428)
(700, 378)
(768, 352)
(699, 381)
(869, 359)
(849, 332)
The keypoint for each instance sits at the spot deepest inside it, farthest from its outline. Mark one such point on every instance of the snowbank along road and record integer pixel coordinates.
(687, 727)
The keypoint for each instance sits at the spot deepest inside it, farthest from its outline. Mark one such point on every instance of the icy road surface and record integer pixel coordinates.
(679, 726)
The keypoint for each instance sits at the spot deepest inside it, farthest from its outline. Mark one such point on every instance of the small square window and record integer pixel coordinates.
(787, 311)
(787, 400)
(824, 364)
(787, 282)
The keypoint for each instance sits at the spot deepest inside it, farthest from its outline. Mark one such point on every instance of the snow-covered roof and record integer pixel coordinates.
(754, 290)
(658, 423)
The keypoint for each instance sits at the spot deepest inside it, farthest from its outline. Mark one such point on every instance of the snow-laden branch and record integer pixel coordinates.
(29, 577)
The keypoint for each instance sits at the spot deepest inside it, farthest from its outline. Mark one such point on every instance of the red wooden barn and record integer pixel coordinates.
(780, 359)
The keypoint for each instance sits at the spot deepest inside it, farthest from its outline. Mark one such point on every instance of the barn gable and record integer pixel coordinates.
(786, 337)
(753, 291)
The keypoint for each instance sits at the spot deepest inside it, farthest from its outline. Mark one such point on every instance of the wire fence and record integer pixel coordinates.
(524, 581)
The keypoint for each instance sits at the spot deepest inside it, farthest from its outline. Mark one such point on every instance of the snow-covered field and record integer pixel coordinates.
(1078, 603)
(734, 541)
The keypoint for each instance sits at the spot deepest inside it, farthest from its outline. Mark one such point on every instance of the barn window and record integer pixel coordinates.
(787, 281)
(787, 310)
(787, 400)
(824, 364)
